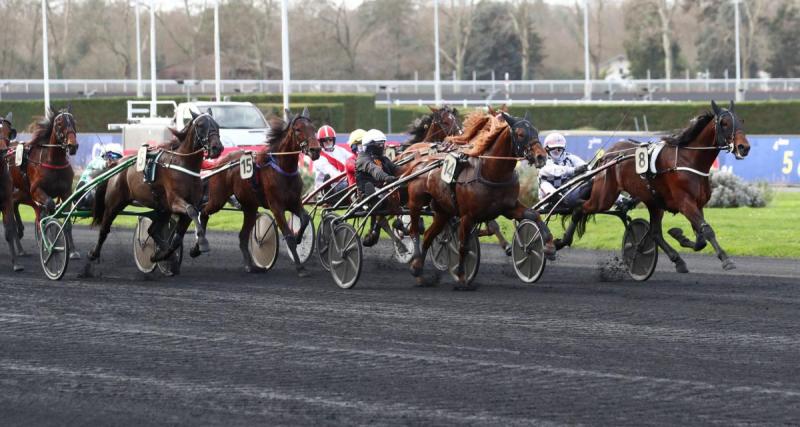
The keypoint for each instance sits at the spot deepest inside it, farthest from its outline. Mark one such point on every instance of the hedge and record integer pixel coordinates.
(359, 109)
(321, 114)
(767, 117)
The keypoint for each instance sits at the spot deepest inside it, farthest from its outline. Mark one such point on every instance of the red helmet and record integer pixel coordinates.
(327, 137)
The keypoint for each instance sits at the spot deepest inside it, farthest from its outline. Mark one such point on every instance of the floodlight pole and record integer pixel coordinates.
(153, 59)
(739, 92)
(45, 61)
(285, 55)
(139, 91)
(217, 89)
(436, 78)
(587, 86)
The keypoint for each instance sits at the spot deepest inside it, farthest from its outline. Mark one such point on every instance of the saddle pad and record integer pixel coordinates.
(653, 151)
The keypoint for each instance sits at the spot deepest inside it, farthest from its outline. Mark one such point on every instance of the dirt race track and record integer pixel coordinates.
(218, 346)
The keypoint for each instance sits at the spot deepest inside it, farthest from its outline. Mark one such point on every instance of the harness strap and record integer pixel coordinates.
(181, 169)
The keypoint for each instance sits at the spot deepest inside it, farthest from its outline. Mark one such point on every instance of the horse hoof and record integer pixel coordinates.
(194, 252)
(75, 255)
(680, 267)
(202, 244)
(728, 264)
(550, 252)
(507, 249)
(18, 268)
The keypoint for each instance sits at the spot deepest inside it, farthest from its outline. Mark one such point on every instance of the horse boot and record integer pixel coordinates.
(372, 237)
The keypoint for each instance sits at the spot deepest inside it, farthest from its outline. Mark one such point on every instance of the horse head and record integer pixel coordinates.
(303, 135)
(729, 131)
(7, 132)
(205, 134)
(446, 119)
(525, 140)
(65, 130)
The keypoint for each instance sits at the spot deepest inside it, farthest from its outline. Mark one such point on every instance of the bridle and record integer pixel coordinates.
(204, 140)
(438, 119)
(298, 136)
(521, 146)
(11, 135)
(725, 142)
(62, 136)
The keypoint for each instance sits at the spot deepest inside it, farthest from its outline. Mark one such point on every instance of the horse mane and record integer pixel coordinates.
(486, 138)
(43, 129)
(696, 126)
(473, 124)
(178, 137)
(277, 130)
(418, 128)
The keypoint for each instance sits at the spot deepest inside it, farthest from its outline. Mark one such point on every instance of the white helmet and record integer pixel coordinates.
(373, 137)
(555, 140)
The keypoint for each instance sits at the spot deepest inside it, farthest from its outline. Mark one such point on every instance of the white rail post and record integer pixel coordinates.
(139, 91)
(437, 82)
(739, 90)
(153, 75)
(285, 55)
(587, 85)
(217, 88)
(45, 61)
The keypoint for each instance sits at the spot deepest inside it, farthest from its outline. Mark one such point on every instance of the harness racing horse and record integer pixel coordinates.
(45, 174)
(491, 189)
(176, 189)
(7, 134)
(433, 128)
(680, 184)
(276, 185)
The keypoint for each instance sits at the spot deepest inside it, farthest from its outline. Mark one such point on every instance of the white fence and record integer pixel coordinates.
(449, 87)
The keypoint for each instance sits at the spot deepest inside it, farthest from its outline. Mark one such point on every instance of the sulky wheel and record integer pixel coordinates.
(345, 254)
(54, 250)
(639, 250)
(171, 266)
(324, 238)
(472, 259)
(402, 242)
(144, 246)
(441, 248)
(263, 242)
(527, 252)
(305, 243)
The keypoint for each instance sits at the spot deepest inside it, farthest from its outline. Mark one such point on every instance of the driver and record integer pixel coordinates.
(332, 159)
(97, 166)
(373, 169)
(562, 166)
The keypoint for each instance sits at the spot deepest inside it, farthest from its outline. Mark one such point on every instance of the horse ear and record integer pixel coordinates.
(731, 106)
(194, 115)
(490, 110)
(433, 109)
(715, 107)
(208, 110)
(9, 116)
(527, 116)
(69, 108)
(288, 112)
(305, 113)
(509, 119)
(504, 108)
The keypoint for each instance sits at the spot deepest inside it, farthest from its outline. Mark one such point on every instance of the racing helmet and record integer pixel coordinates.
(373, 141)
(355, 139)
(327, 137)
(555, 140)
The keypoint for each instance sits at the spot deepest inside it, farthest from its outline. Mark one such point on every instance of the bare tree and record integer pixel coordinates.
(60, 40)
(346, 34)
(459, 15)
(116, 39)
(595, 21)
(754, 12)
(666, 12)
(520, 17)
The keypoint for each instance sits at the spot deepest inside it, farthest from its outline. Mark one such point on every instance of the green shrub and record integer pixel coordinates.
(730, 191)
(321, 114)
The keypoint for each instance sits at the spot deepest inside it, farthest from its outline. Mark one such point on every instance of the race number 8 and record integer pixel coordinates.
(642, 160)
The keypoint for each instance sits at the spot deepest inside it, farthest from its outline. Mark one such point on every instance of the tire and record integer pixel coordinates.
(263, 242)
(639, 250)
(441, 248)
(305, 246)
(472, 260)
(53, 250)
(144, 247)
(527, 252)
(346, 255)
(324, 233)
(403, 242)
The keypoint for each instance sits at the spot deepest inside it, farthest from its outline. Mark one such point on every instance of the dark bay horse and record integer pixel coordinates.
(434, 127)
(7, 134)
(491, 189)
(276, 184)
(45, 175)
(177, 188)
(681, 183)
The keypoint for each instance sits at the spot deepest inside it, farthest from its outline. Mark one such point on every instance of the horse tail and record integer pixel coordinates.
(99, 207)
(580, 226)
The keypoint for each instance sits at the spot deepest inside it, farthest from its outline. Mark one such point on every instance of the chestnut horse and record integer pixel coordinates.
(681, 183)
(276, 185)
(177, 188)
(7, 134)
(492, 190)
(45, 174)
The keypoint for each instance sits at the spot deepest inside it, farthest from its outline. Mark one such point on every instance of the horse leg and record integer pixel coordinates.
(249, 221)
(494, 228)
(289, 237)
(20, 230)
(704, 231)
(74, 254)
(179, 205)
(464, 230)
(176, 238)
(11, 234)
(696, 245)
(656, 215)
(418, 261)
